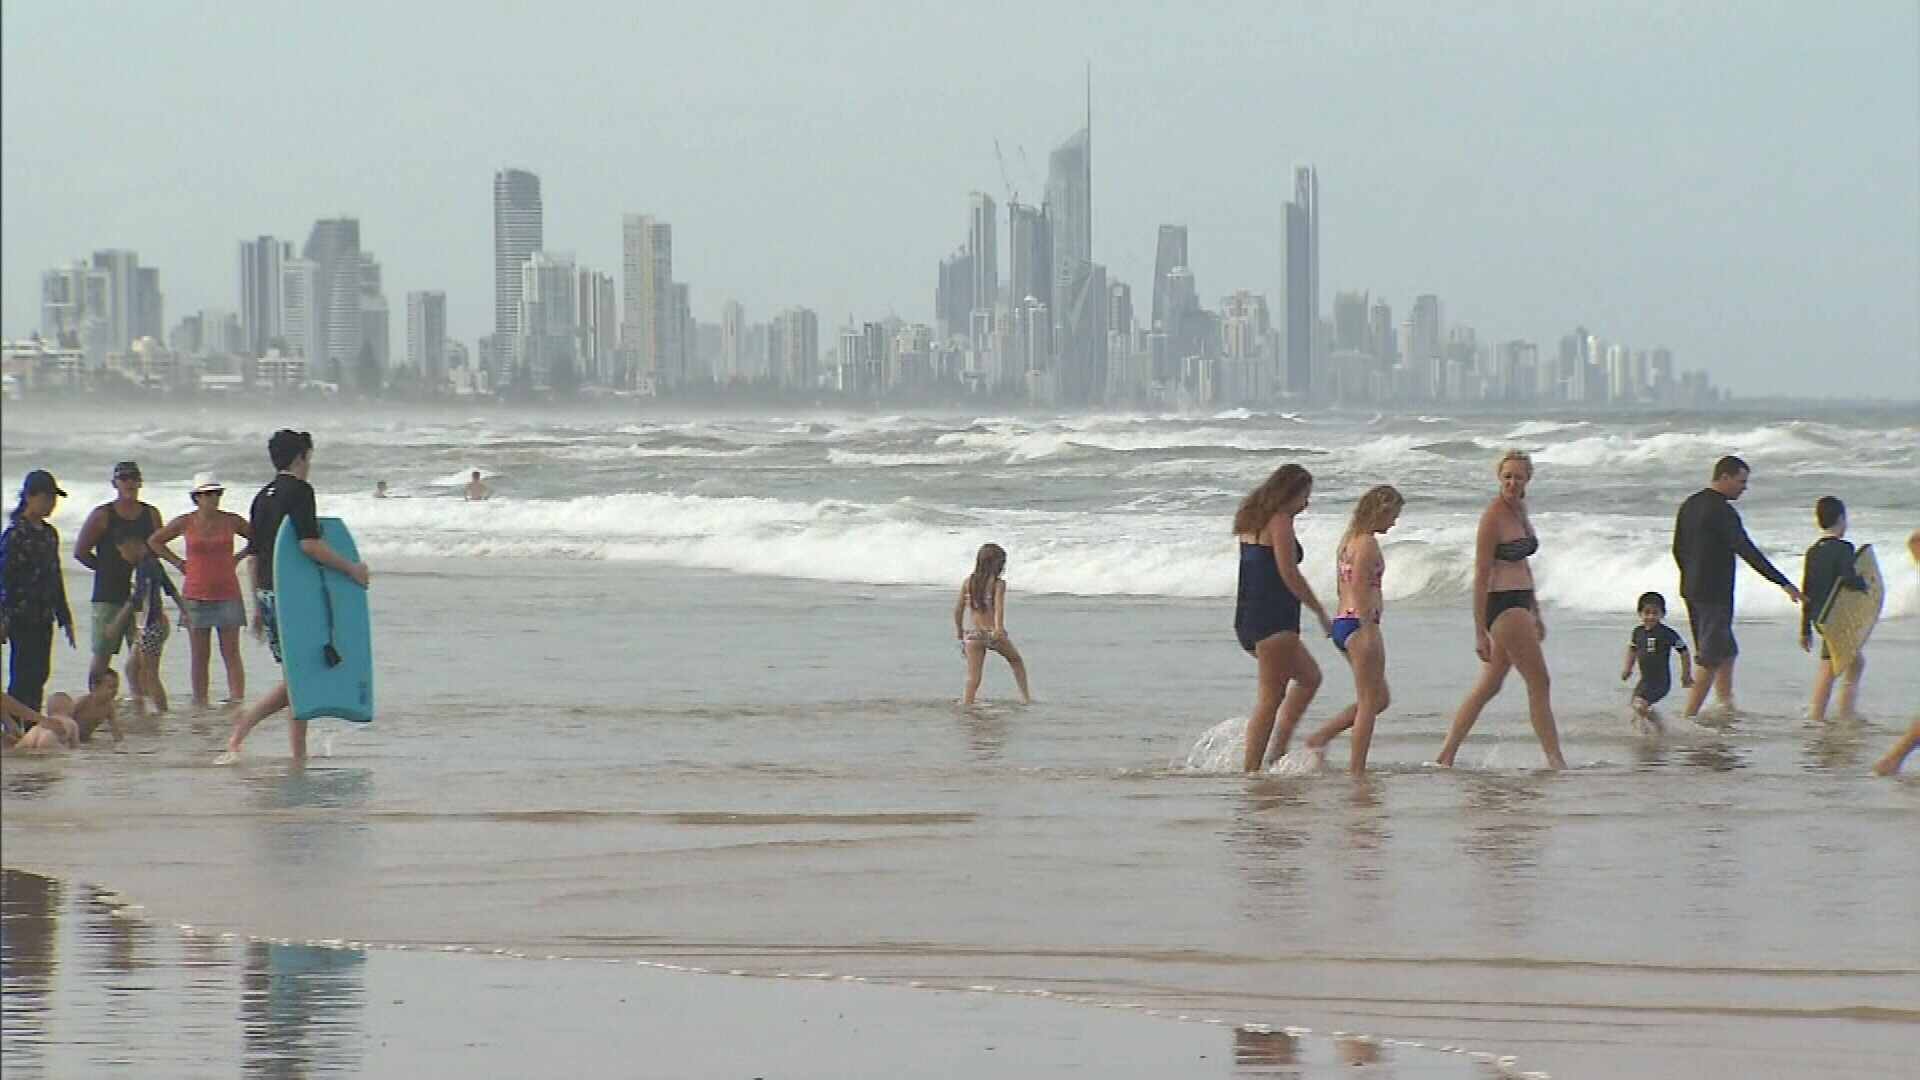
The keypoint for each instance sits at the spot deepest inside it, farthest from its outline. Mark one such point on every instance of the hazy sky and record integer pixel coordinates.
(1740, 182)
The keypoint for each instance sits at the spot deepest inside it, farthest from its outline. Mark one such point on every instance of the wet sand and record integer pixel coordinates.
(94, 990)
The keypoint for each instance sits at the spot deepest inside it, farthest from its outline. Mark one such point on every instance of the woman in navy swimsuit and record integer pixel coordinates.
(1507, 627)
(1266, 617)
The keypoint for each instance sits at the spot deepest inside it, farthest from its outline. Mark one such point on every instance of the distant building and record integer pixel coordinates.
(302, 315)
(651, 328)
(261, 260)
(796, 348)
(549, 341)
(1170, 254)
(518, 232)
(596, 318)
(1300, 282)
(983, 232)
(333, 247)
(427, 337)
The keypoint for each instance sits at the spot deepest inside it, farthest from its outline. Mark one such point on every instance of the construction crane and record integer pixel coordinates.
(1012, 195)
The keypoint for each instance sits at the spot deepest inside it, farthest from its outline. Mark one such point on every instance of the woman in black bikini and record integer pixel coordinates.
(1507, 627)
(1266, 616)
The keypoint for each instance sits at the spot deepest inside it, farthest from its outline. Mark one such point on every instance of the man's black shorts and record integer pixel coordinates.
(1713, 642)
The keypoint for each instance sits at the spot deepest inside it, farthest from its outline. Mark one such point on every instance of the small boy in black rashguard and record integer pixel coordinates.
(1651, 644)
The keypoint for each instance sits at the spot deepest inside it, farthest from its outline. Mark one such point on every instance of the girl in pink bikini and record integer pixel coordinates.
(1356, 628)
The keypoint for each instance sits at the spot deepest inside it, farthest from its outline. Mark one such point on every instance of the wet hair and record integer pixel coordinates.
(1518, 455)
(1828, 511)
(288, 446)
(1729, 466)
(1287, 483)
(987, 566)
(130, 540)
(94, 680)
(1651, 601)
(1372, 507)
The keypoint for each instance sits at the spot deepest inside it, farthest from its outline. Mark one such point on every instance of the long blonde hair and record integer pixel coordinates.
(987, 567)
(1372, 507)
(1258, 508)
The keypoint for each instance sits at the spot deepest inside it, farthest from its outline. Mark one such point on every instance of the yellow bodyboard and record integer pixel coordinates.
(1851, 615)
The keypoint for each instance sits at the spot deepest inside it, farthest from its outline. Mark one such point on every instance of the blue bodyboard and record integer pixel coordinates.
(326, 634)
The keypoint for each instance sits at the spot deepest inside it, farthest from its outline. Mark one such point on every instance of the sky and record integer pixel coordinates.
(1737, 182)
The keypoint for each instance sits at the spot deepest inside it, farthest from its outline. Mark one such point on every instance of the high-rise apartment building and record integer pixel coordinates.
(596, 318)
(548, 350)
(796, 348)
(333, 247)
(427, 337)
(1300, 283)
(1029, 255)
(1170, 254)
(650, 327)
(518, 232)
(260, 319)
(302, 315)
(983, 243)
(733, 333)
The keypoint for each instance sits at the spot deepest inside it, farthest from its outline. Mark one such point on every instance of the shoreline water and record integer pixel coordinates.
(683, 692)
(612, 786)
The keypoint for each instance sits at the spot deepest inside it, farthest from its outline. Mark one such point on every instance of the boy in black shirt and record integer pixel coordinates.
(286, 497)
(1652, 642)
(1829, 568)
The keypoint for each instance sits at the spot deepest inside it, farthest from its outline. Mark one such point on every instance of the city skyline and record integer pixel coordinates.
(1521, 251)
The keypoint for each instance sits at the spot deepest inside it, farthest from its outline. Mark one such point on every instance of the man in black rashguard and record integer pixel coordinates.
(1707, 534)
(287, 497)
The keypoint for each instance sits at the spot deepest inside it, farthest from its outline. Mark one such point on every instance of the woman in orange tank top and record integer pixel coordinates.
(211, 586)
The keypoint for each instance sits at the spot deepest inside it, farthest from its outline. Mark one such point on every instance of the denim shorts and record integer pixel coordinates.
(215, 614)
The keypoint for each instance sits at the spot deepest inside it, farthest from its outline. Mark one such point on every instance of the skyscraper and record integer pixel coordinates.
(260, 262)
(796, 348)
(334, 249)
(549, 344)
(1296, 304)
(427, 337)
(1029, 256)
(649, 328)
(1300, 283)
(517, 234)
(1170, 254)
(983, 243)
(733, 332)
(1306, 192)
(596, 318)
(302, 317)
(1079, 286)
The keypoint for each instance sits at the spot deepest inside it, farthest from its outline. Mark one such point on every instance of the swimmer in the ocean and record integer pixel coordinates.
(1360, 568)
(477, 489)
(1651, 645)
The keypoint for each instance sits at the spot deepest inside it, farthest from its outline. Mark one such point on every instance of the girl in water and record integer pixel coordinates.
(1356, 628)
(1507, 627)
(1266, 616)
(984, 594)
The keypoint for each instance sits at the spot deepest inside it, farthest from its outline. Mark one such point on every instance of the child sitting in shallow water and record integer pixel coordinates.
(55, 730)
(984, 594)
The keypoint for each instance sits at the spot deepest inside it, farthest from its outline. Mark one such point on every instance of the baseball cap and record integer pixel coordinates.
(127, 470)
(40, 482)
(204, 482)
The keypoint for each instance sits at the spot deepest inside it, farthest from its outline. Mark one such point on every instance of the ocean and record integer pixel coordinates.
(684, 690)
